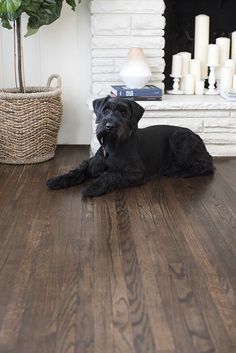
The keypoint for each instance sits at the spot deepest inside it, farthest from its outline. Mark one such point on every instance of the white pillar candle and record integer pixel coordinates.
(176, 66)
(195, 69)
(224, 45)
(186, 57)
(230, 63)
(189, 84)
(213, 55)
(234, 82)
(181, 83)
(199, 87)
(201, 42)
(233, 46)
(226, 78)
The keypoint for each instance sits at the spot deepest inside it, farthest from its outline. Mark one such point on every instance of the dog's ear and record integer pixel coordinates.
(137, 113)
(98, 105)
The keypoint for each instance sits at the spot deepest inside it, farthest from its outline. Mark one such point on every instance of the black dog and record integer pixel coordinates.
(130, 156)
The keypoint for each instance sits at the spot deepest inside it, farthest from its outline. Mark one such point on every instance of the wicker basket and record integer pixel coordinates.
(29, 123)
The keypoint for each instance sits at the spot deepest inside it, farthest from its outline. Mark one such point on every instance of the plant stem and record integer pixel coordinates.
(19, 53)
(14, 36)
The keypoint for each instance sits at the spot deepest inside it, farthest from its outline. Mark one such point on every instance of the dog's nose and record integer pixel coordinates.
(109, 126)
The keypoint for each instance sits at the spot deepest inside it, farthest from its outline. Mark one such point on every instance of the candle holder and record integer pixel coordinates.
(175, 89)
(212, 80)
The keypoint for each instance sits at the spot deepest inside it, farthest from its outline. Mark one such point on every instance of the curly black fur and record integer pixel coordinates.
(130, 156)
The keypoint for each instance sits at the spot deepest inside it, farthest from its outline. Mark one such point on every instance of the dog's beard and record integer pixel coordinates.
(119, 135)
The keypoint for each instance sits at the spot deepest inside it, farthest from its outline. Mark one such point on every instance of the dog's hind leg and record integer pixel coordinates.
(188, 156)
(109, 182)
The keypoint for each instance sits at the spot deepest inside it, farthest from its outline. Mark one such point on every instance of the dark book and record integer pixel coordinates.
(139, 98)
(148, 90)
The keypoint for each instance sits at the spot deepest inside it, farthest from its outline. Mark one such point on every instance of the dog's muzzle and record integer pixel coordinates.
(110, 126)
(113, 129)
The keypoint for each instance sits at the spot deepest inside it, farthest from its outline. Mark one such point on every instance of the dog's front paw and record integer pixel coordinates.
(55, 183)
(93, 190)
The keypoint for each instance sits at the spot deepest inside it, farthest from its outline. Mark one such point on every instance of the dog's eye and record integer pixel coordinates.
(123, 112)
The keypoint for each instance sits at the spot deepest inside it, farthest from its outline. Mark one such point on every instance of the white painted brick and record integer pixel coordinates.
(127, 42)
(198, 114)
(147, 22)
(101, 88)
(157, 64)
(116, 77)
(110, 24)
(213, 108)
(157, 76)
(214, 104)
(106, 77)
(128, 6)
(102, 69)
(219, 139)
(233, 114)
(193, 124)
(102, 61)
(220, 125)
(122, 53)
(222, 150)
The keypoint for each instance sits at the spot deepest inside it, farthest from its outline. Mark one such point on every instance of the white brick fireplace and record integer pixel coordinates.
(117, 25)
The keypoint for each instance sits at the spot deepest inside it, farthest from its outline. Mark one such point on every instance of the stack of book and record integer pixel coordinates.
(147, 93)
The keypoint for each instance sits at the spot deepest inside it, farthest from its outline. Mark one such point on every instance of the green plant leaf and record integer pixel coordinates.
(40, 12)
(31, 31)
(7, 18)
(5, 21)
(44, 13)
(72, 3)
(9, 5)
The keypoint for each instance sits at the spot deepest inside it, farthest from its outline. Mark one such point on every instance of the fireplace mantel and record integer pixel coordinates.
(189, 102)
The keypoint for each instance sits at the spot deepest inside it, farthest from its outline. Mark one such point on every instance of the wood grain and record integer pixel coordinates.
(148, 269)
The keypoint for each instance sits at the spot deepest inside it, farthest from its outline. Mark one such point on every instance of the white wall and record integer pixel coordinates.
(64, 48)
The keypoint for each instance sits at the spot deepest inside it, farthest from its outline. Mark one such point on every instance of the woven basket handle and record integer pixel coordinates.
(57, 77)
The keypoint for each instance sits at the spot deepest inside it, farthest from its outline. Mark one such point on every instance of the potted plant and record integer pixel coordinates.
(29, 116)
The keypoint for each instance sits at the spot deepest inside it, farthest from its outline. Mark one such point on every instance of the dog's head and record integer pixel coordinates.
(116, 118)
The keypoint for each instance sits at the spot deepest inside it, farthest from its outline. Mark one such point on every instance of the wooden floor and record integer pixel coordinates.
(142, 270)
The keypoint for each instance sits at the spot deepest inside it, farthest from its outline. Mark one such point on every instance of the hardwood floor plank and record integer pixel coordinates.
(122, 328)
(16, 306)
(192, 315)
(157, 317)
(169, 248)
(103, 335)
(210, 312)
(227, 169)
(84, 252)
(142, 333)
(193, 230)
